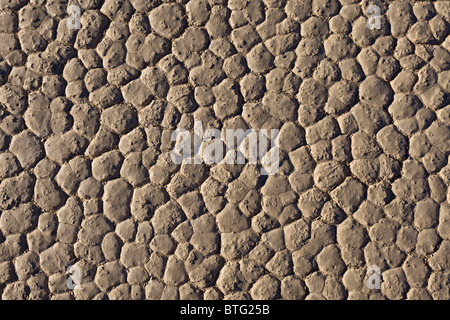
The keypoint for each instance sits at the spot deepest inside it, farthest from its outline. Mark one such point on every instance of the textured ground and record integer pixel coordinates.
(86, 118)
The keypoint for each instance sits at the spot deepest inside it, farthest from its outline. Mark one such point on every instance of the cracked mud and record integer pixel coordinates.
(86, 176)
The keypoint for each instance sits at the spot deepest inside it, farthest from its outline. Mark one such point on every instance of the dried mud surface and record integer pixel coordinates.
(86, 178)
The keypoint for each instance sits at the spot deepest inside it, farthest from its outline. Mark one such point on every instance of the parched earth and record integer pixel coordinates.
(86, 177)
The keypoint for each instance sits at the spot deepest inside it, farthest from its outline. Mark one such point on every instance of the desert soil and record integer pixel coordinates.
(87, 182)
